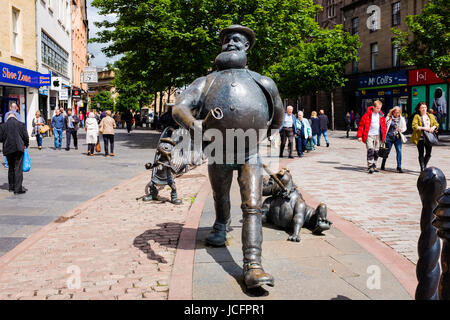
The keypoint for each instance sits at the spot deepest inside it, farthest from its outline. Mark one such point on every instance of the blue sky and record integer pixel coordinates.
(100, 59)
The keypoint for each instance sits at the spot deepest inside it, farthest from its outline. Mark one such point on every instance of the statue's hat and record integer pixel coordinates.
(241, 29)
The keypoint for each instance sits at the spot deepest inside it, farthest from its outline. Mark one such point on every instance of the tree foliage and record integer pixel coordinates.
(429, 45)
(102, 101)
(132, 93)
(169, 43)
(317, 64)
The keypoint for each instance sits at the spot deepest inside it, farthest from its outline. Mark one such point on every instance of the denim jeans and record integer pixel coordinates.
(324, 133)
(314, 138)
(398, 149)
(58, 133)
(301, 145)
(39, 140)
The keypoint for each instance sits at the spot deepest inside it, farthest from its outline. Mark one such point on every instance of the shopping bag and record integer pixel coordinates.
(6, 163)
(26, 161)
(98, 148)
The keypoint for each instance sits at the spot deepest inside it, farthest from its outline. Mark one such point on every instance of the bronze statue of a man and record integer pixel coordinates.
(251, 103)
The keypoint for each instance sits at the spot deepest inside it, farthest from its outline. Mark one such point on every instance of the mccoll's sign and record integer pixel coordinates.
(391, 79)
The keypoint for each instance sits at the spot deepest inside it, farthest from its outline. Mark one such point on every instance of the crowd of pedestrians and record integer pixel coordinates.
(305, 132)
(380, 133)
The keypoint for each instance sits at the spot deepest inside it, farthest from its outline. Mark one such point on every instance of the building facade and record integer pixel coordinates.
(54, 53)
(379, 73)
(79, 48)
(19, 81)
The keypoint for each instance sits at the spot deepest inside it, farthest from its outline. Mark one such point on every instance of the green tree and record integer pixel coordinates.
(169, 43)
(429, 43)
(102, 101)
(132, 93)
(317, 64)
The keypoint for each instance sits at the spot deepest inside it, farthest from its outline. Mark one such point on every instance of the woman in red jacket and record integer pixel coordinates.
(372, 131)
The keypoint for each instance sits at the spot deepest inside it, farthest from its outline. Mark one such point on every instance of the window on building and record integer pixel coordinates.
(331, 8)
(15, 31)
(355, 22)
(396, 13)
(395, 58)
(374, 56)
(53, 55)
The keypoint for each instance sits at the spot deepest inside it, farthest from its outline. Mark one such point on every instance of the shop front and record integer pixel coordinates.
(20, 86)
(391, 88)
(426, 86)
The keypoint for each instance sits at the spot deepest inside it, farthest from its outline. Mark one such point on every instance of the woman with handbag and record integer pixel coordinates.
(424, 126)
(38, 123)
(395, 125)
(107, 126)
(91, 127)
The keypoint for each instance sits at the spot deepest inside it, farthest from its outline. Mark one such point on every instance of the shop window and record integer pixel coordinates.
(374, 56)
(16, 31)
(396, 14)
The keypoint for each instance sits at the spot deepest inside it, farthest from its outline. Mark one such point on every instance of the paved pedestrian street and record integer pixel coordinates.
(80, 233)
(385, 204)
(61, 180)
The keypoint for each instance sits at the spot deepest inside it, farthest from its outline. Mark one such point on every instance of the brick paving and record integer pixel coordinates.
(385, 204)
(60, 180)
(120, 248)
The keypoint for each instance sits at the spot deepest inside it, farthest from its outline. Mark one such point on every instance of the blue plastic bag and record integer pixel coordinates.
(26, 161)
(6, 163)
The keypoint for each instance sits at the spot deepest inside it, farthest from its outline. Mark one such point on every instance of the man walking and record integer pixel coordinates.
(372, 131)
(129, 120)
(287, 130)
(13, 108)
(323, 127)
(14, 136)
(71, 123)
(58, 127)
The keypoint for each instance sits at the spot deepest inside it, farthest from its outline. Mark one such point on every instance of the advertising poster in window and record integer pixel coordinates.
(439, 103)
(418, 94)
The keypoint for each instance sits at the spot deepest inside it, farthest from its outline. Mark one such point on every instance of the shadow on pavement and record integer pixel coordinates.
(164, 236)
(4, 186)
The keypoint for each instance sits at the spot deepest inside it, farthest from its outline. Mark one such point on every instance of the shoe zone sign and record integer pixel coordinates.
(384, 80)
(23, 77)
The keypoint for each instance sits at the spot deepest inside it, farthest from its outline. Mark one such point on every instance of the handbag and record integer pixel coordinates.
(26, 161)
(430, 138)
(383, 152)
(98, 148)
(44, 129)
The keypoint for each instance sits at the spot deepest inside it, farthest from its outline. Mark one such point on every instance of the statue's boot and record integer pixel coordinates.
(218, 235)
(254, 274)
(174, 198)
(153, 195)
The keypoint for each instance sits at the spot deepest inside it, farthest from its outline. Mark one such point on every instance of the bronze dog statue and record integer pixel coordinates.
(286, 208)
